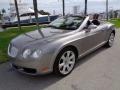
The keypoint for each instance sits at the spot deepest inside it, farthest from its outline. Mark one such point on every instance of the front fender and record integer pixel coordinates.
(60, 46)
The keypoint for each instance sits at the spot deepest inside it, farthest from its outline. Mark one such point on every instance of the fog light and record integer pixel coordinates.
(45, 69)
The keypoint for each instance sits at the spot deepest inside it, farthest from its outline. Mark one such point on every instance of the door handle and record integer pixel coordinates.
(103, 29)
(87, 30)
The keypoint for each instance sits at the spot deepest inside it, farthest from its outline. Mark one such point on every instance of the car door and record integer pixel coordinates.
(97, 35)
(92, 37)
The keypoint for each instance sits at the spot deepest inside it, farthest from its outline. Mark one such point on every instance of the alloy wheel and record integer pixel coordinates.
(67, 62)
(111, 39)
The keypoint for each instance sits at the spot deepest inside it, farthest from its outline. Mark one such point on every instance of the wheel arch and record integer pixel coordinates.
(112, 28)
(72, 47)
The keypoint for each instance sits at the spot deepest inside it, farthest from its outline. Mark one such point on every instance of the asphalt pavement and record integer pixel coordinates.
(97, 71)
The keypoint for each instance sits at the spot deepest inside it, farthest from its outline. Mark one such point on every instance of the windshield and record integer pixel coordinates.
(67, 23)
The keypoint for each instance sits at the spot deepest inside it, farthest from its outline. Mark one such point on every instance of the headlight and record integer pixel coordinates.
(26, 53)
(36, 54)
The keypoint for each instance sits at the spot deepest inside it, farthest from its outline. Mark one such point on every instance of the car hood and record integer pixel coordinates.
(34, 37)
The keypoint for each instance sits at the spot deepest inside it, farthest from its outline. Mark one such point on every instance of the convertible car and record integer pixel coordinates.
(57, 47)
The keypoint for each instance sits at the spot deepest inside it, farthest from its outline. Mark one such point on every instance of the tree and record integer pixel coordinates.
(63, 7)
(85, 7)
(42, 12)
(115, 14)
(111, 14)
(0, 15)
(17, 12)
(3, 11)
(107, 16)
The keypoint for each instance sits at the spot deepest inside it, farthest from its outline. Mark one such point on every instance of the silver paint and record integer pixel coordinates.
(84, 40)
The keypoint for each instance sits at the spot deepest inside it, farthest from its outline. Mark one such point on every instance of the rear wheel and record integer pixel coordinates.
(65, 62)
(110, 40)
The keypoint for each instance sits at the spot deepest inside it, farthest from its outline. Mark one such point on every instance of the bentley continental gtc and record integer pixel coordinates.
(57, 47)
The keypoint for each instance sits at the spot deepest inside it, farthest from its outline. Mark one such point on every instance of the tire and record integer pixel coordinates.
(65, 62)
(110, 40)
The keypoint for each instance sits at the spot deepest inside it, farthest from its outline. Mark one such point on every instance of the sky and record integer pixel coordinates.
(50, 5)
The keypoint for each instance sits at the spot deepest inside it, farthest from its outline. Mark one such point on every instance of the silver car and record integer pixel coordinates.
(57, 47)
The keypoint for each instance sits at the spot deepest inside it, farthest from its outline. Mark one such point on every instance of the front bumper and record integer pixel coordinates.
(31, 67)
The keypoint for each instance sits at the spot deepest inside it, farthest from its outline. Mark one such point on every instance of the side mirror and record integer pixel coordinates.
(87, 25)
(92, 26)
(87, 30)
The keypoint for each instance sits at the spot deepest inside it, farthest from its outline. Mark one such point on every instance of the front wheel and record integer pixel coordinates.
(110, 40)
(65, 62)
